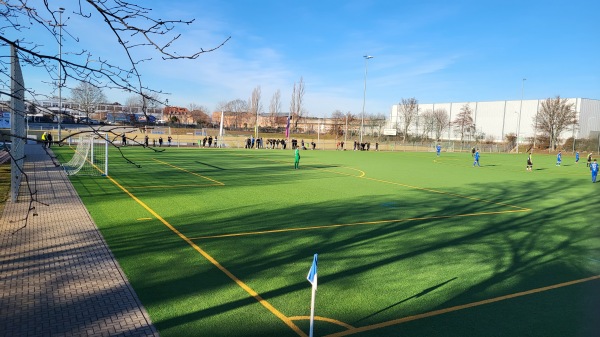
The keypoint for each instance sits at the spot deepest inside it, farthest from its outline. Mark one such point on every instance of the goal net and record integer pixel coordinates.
(90, 158)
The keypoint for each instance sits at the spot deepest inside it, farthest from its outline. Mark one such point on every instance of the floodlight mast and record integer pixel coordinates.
(362, 119)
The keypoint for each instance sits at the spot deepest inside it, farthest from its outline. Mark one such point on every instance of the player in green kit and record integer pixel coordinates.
(297, 158)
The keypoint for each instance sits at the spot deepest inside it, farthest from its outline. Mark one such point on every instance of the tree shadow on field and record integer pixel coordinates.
(492, 255)
(422, 293)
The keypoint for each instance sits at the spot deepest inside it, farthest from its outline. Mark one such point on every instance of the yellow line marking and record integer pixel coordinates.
(144, 219)
(355, 224)
(190, 172)
(239, 282)
(459, 307)
(323, 319)
(174, 186)
(362, 176)
(448, 193)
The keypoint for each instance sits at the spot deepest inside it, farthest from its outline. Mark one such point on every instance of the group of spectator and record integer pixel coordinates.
(252, 142)
(147, 140)
(271, 143)
(362, 146)
(209, 140)
(275, 143)
(47, 139)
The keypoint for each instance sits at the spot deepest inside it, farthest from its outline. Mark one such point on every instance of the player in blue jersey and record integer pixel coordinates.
(558, 158)
(438, 149)
(594, 169)
(577, 157)
(476, 156)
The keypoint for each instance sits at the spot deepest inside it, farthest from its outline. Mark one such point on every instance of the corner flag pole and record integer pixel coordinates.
(312, 278)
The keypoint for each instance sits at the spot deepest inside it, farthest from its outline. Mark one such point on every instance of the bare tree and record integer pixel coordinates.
(408, 111)
(254, 106)
(131, 24)
(427, 121)
(555, 116)
(199, 114)
(441, 122)
(149, 100)
(237, 108)
(338, 123)
(88, 97)
(296, 104)
(274, 108)
(463, 124)
(376, 123)
(352, 123)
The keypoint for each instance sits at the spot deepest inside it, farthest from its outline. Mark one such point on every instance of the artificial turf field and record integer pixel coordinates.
(218, 242)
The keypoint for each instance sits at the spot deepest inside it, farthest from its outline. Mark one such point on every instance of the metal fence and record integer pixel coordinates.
(17, 126)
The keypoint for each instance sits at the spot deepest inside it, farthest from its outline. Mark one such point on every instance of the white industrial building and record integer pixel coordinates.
(498, 118)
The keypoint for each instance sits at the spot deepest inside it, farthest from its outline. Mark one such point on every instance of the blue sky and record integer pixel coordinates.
(435, 51)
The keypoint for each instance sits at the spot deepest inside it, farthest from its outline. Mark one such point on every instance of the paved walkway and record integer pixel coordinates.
(57, 275)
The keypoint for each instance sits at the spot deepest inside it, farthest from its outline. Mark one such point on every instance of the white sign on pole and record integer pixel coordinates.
(390, 132)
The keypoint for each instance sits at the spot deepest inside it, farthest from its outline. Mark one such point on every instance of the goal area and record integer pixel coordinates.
(90, 157)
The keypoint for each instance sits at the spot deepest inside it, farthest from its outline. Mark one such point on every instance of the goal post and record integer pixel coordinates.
(90, 157)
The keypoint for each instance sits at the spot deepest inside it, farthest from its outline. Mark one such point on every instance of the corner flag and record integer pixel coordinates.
(312, 273)
(312, 278)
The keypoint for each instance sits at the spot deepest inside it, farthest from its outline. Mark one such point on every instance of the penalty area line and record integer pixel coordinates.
(187, 171)
(284, 230)
(461, 307)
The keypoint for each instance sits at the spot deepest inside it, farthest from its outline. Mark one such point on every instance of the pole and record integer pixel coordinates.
(221, 130)
(60, 11)
(346, 131)
(503, 120)
(287, 131)
(312, 307)
(256, 128)
(106, 154)
(319, 134)
(520, 108)
(574, 127)
(362, 119)
(449, 125)
(535, 124)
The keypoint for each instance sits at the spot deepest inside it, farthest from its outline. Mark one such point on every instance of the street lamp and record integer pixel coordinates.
(362, 120)
(520, 109)
(60, 25)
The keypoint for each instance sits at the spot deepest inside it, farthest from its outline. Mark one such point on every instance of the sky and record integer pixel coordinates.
(434, 51)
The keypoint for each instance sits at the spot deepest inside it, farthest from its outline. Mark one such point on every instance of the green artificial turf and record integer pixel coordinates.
(398, 235)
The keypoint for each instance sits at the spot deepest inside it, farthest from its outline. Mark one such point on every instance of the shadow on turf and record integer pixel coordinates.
(422, 293)
(525, 250)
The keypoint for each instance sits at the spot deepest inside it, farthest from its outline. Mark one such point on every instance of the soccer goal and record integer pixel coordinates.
(90, 158)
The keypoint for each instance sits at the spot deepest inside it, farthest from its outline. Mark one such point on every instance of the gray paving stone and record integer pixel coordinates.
(57, 275)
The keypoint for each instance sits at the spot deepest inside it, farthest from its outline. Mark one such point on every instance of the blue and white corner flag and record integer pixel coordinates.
(312, 273)
(312, 278)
